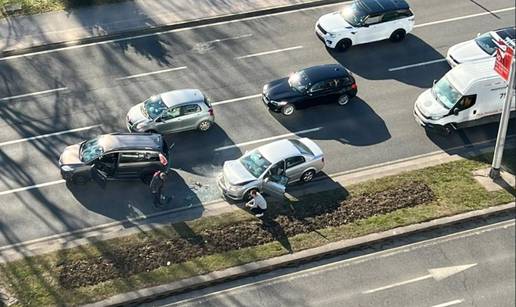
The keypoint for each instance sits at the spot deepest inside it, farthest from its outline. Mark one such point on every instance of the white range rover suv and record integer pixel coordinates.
(365, 21)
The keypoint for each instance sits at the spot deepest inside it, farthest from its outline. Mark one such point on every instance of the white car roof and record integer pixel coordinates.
(279, 150)
(463, 75)
(178, 97)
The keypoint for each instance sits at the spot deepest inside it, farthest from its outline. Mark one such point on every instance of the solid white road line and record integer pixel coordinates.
(235, 99)
(47, 135)
(463, 17)
(268, 52)
(268, 139)
(152, 73)
(34, 94)
(36, 186)
(417, 64)
(450, 303)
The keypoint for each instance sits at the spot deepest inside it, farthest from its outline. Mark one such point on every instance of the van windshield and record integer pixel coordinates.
(445, 93)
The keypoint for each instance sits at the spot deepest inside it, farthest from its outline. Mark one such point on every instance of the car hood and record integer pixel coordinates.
(136, 116)
(279, 89)
(70, 155)
(334, 22)
(235, 173)
(428, 106)
(467, 52)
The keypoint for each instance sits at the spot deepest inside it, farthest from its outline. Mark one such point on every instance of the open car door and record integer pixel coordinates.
(276, 187)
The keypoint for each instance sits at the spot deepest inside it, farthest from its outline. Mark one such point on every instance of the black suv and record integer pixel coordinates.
(114, 156)
(310, 86)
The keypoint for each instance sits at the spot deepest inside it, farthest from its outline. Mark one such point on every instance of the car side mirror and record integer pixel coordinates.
(456, 111)
(434, 82)
(478, 34)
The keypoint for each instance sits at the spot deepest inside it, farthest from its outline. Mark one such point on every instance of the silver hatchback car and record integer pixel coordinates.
(270, 168)
(172, 111)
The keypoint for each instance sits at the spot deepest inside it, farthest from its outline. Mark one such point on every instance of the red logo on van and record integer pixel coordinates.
(504, 57)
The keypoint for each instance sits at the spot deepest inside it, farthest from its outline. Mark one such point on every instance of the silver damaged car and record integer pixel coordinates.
(270, 168)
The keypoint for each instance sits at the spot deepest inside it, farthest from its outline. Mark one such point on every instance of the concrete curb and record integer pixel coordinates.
(167, 27)
(210, 279)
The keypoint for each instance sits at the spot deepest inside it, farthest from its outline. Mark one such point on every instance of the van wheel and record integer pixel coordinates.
(308, 176)
(343, 45)
(343, 100)
(288, 109)
(80, 179)
(247, 195)
(205, 125)
(398, 35)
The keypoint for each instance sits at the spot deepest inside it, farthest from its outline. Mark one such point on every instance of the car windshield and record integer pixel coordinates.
(153, 107)
(299, 81)
(445, 93)
(487, 43)
(255, 163)
(353, 15)
(90, 150)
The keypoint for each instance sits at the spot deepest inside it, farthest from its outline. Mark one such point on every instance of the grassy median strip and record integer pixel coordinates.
(102, 269)
(31, 7)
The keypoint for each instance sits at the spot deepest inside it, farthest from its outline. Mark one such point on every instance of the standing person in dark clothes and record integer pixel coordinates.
(156, 187)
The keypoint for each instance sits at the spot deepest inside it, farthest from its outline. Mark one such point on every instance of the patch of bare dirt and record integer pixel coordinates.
(150, 255)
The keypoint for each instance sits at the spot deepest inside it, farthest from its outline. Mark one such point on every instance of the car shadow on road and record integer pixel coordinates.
(132, 200)
(382, 61)
(470, 141)
(355, 124)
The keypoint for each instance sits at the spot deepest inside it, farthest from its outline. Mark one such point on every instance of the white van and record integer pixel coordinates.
(469, 94)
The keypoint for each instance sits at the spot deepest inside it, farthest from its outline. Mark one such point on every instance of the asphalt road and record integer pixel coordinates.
(89, 89)
(472, 267)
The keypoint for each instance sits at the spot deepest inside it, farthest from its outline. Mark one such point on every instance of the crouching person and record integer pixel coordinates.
(257, 204)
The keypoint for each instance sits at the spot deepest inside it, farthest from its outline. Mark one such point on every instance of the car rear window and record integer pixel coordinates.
(302, 147)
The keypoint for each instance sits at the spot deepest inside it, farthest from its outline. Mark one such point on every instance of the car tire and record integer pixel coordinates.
(343, 45)
(398, 35)
(247, 195)
(80, 179)
(204, 126)
(343, 99)
(288, 109)
(308, 176)
(150, 131)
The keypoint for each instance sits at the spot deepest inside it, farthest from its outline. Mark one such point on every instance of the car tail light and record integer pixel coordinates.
(210, 111)
(354, 86)
(163, 160)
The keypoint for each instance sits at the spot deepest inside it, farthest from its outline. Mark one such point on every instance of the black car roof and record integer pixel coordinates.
(380, 6)
(135, 141)
(507, 33)
(325, 71)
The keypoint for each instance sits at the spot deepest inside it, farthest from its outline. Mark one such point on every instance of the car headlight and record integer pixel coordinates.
(233, 188)
(141, 126)
(279, 103)
(437, 117)
(332, 34)
(66, 168)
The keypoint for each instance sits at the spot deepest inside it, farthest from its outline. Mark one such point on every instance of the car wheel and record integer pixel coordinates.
(343, 45)
(398, 35)
(308, 176)
(247, 195)
(151, 131)
(205, 125)
(343, 100)
(287, 109)
(80, 179)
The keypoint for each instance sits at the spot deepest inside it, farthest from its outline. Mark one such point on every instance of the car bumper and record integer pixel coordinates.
(225, 192)
(427, 125)
(271, 106)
